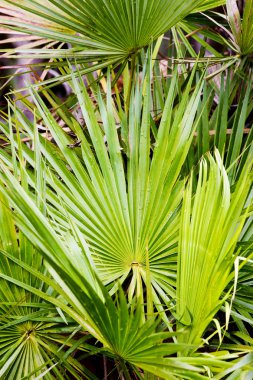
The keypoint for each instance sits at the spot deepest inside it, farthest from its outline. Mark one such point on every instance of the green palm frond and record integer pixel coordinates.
(125, 201)
(14, 9)
(112, 209)
(126, 214)
(242, 31)
(211, 224)
(33, 333)
(209, 4)
(99, 31)
(234, 29)
(224, 120)
(123, 330)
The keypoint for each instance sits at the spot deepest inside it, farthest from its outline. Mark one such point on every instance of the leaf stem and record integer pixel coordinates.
(132, 77)
(124, 369)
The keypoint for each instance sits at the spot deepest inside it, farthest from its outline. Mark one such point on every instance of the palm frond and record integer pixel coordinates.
(120, 327)
(98, 31)
(210, 229)
(33, 332)
(125, 203)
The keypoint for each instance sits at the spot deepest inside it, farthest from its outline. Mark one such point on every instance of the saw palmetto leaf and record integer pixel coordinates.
(122, 329)
(224, 118)
(106, 209)
(124, 201)
(98, 31)
(211, 224)
(235, 29)
(242, 31)
(33, 333)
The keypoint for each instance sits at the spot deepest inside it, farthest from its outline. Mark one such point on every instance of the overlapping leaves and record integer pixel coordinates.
(209, 232)
(99, 30)
(125, 204)
(34, 335)
(111, 210)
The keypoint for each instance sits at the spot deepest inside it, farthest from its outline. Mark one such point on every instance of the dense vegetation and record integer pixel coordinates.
(126, 156)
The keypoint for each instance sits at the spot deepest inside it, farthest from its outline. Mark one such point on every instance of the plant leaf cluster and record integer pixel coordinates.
(126, 214)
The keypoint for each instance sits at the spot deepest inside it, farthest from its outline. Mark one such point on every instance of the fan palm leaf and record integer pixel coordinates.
(99, 31)
(242, 31)
(32, 332)
(132, 340)
(121, 191)
(210, 229)
(126, 206)
(235, 31)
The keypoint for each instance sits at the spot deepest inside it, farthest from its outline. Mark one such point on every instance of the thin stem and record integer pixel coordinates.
(132, 77)
(124, 371)
(105, 367)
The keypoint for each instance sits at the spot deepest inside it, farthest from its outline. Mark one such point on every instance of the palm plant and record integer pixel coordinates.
(226, 37)
(210, 228)
(120, 194)
(143, 217)
(224, 120)
(124, 331)
(100, 32)
(241, 36)
(35, 335)
(118, 239)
